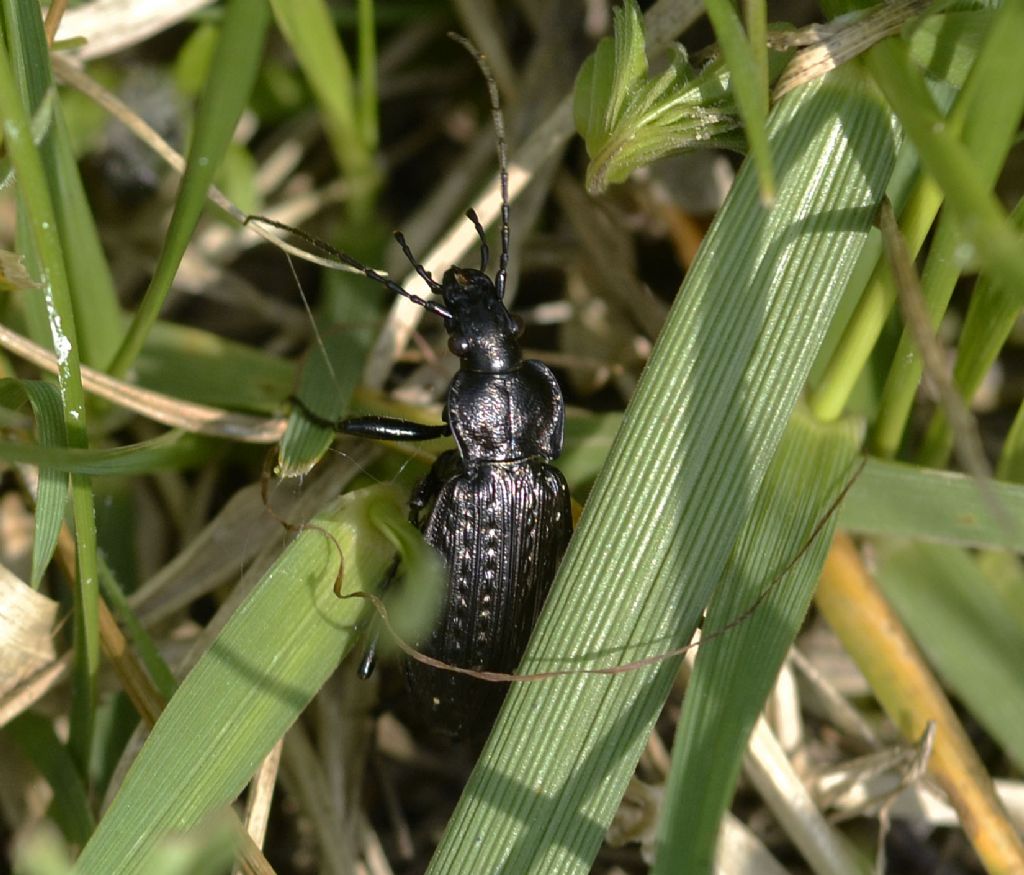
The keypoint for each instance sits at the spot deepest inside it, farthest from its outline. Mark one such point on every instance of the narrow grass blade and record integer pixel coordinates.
(967, 631)
(52, 494)
(994, 100)
(990, 318)
(328, 379)
(678, 485)
(38, 217)
(260, 673)
(983, 222)
(787, 533)
(235, 65)
(311, 35)
(159, 671)
(33, 735)
(748, 79)
(97, 313)
(172, 450)
(907, 501)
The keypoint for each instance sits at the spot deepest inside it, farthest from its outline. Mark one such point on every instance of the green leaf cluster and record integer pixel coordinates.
(628, 119)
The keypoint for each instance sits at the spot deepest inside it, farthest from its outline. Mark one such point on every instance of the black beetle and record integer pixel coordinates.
(495, 509)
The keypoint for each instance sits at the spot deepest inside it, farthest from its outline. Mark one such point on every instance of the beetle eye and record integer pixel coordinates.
(518, 324)
(458, 344)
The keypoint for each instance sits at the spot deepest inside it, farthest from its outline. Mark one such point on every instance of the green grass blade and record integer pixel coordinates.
(52, 495)
(947, 44)
(310, 33)
(1011, 459)
(159, 671)
(326, 384)
(983, 222)
(33, 735)
(234, 69)
(98, 317)
(990, 318)
(187, 362)
(734, 674)
(907, 501)
(31, 69)
(258, 675)
(367, 85)
(171, 450)
(97, 312)
(994, 99)
(677, 487)
(36, 199)
(968, 629)
(948, 47)
(747, 61)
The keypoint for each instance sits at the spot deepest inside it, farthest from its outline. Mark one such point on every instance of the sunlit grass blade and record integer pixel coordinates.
(747, 60)
(777, 560)
(328, 377)
(994, 101)
(37, 215)
(946, 43)
(272, 656)
(235, 65)
(97, 313)
(983, 222)
(677, 487)
(309, 30)
(990, 318)
(946, 46)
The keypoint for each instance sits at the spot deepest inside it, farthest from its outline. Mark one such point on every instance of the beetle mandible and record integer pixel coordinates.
(495, 508)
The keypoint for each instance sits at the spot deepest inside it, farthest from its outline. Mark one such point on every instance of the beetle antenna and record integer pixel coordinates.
(346, 259)
(485, 252)
(419, 268)
(499, 129)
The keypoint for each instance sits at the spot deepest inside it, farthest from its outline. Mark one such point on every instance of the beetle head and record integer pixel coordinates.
(481, 332)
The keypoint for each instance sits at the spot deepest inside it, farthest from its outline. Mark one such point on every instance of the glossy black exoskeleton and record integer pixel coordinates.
(495, 508)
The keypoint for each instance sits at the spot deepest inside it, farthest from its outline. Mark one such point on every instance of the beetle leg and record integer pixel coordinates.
(384, 428)
(381, 428)
(369, 660)
(447, 465)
